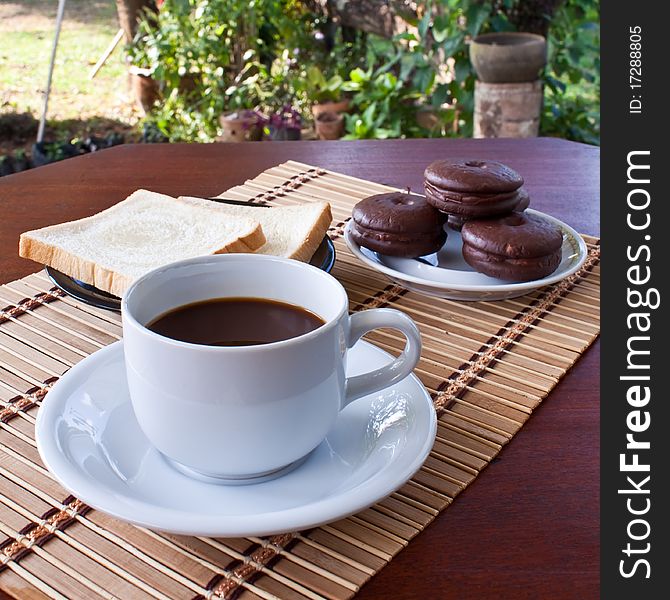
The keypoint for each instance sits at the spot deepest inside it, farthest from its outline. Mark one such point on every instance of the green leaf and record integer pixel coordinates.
(406, 36)
(475, 16)
(453, 44)
(500, 22)
(424, 24)
(407, 65)
(368, 114)
(424, 80)
(440, 94)
(574, 54)
(358, 75)
(383, 134)
(439, 35)
(388, 65)
(441, 28)
(360, 129)
(462, 70)
(555, 84)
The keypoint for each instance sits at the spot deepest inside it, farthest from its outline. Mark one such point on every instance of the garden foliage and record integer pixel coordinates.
(213, 56)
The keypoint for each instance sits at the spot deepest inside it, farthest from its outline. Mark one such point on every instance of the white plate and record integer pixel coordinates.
(89, 439)
(447, 275)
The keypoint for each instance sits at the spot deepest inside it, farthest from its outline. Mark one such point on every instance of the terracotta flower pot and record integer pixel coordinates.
(145, 88)
(329, 126)
(333, 107)
(427, 117)
(508, 57)
(240, 126)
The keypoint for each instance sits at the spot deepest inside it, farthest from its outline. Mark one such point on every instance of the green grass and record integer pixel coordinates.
(26, 35)
(73, 93)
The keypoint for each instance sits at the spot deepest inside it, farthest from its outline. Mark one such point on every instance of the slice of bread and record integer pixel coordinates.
(291, 231)
(146, 230)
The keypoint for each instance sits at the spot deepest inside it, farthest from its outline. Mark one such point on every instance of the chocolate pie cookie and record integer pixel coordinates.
(456, 222)
(398, 224)
(516, 247)
(472, 188)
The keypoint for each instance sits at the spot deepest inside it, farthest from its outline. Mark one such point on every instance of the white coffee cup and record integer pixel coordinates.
(240, 413)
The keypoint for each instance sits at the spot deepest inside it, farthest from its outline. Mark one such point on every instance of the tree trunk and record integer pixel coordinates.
(129, 12)
(381, 17)
(144, 88)
(385, 17)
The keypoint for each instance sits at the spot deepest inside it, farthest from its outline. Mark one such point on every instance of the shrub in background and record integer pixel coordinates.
(572, 81)
(214, 56)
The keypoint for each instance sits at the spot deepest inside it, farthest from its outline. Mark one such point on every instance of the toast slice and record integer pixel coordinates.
(291, 231)
(146, 230)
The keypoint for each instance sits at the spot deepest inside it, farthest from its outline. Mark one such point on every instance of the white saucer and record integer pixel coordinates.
(447, 275)
(89, 439)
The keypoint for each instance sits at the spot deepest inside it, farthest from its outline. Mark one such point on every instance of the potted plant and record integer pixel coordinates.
(508, 57)
(325, 94)
(6, 165)
(382, 106)
(21, 161)
(243, 122)
(329, 125)
(427, 116)
(93, 143)
(285, 124)
(241, 125)
(145, 88)
(47, 152)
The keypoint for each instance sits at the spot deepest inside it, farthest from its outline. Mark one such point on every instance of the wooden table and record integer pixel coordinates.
(528, 526)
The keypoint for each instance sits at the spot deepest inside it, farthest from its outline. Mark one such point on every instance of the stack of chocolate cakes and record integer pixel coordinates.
(484, 200)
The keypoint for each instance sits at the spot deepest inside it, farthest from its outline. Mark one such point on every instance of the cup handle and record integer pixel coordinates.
(362, 322)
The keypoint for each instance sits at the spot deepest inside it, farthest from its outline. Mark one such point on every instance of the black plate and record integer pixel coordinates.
(323, 258)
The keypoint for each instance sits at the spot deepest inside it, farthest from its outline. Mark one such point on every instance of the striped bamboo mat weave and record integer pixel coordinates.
(488, 365)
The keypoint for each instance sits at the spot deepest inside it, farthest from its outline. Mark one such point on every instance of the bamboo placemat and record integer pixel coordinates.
(487, 365)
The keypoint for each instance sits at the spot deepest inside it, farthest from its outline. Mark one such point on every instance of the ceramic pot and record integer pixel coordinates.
(145, 89)
(508, 57)
(426, 117)
(341, 106)
(240, 127)
(329, 126)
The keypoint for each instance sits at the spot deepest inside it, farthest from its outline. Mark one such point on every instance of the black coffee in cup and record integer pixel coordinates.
(235, 322)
